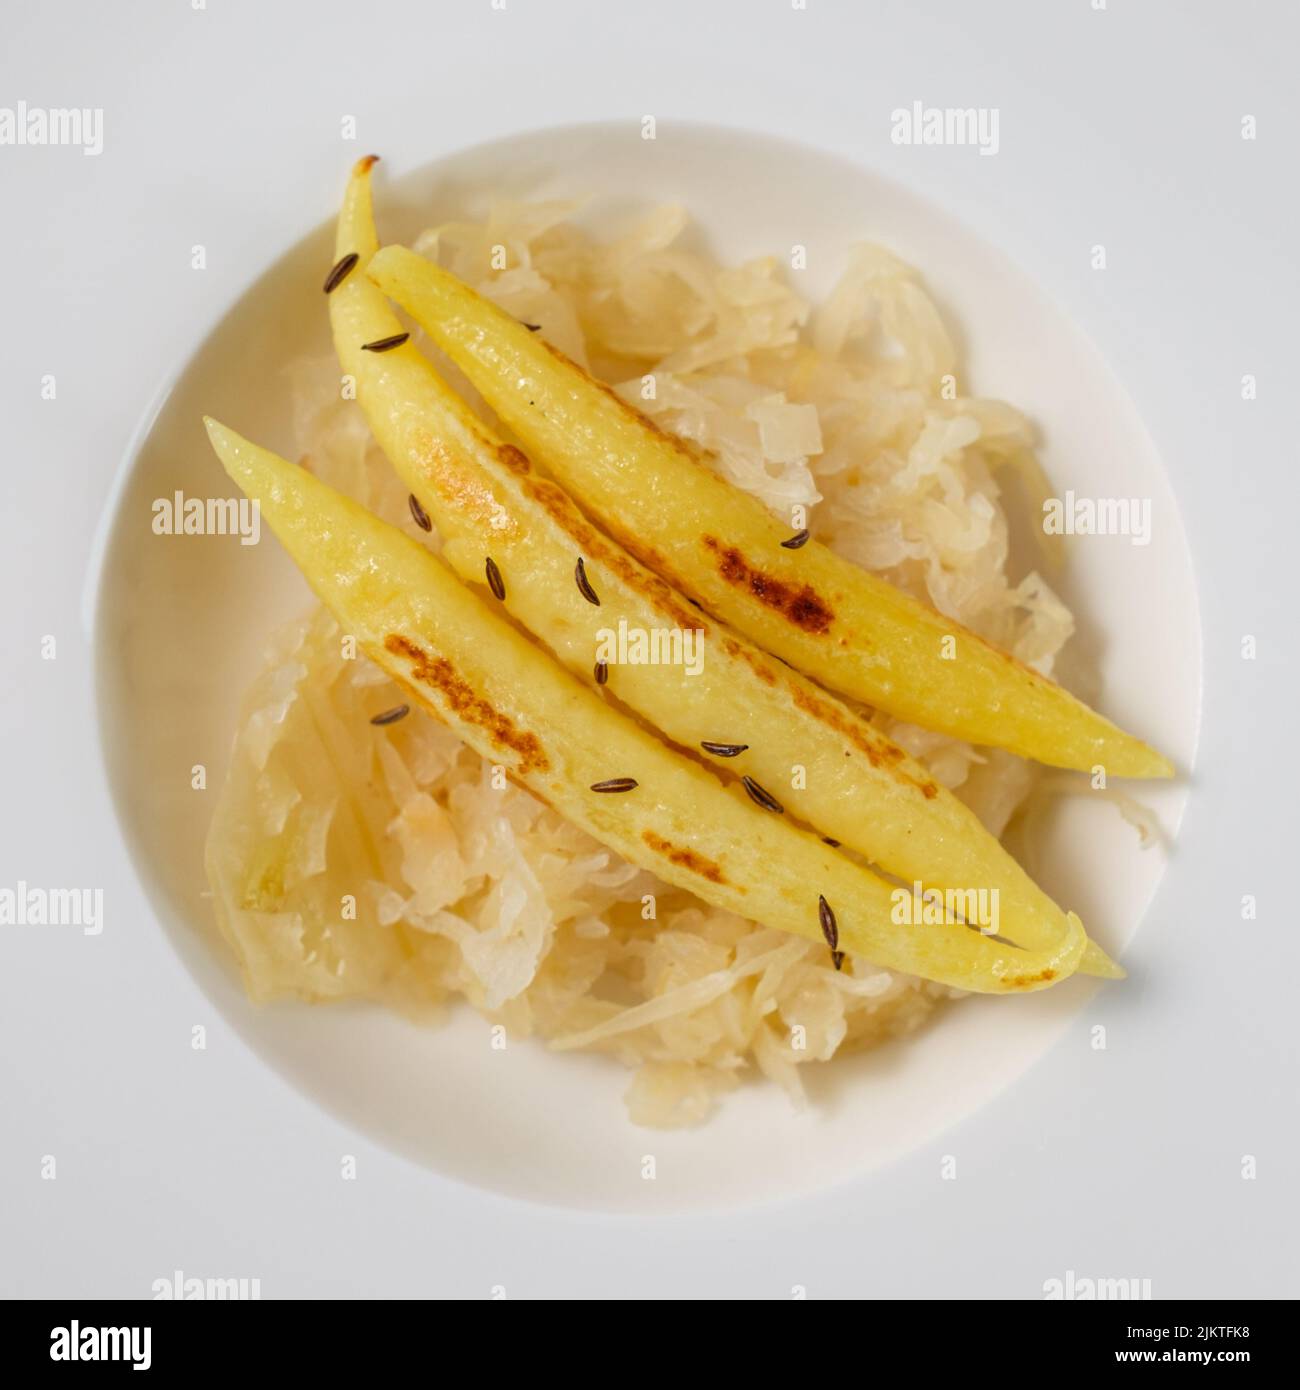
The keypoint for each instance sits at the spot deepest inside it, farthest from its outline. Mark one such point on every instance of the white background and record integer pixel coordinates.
(222, 128)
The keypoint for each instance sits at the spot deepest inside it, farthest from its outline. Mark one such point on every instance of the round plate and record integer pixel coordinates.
(180, 629)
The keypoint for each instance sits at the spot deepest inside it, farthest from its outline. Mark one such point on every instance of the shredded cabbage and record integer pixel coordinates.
(354, 861)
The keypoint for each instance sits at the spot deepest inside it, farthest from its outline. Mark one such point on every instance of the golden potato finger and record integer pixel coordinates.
(522, 536)
(841, 625)
(515, 705)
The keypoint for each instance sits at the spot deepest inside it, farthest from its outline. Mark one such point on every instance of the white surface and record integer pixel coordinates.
(205, 1161)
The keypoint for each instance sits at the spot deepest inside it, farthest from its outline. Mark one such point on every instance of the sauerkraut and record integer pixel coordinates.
(349, 860)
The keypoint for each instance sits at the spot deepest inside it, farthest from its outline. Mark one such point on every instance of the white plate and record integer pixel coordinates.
(180, 628)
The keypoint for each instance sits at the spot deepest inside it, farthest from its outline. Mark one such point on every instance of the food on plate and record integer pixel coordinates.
(795, 597)
(462, 776)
